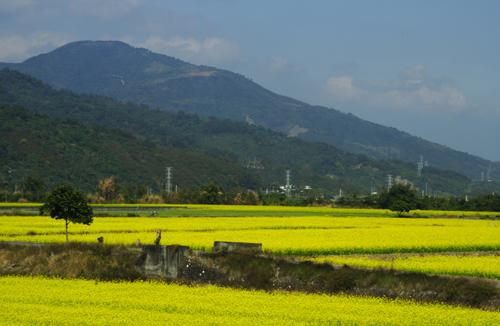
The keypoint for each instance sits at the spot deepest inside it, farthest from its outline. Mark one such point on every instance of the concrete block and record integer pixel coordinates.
(240, 247)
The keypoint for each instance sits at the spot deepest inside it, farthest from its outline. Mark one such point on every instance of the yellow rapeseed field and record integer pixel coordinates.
(42, 301)
(457, 264)
(283, 235)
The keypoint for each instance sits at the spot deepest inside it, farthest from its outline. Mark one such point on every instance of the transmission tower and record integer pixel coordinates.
(288, 185)
(488, 174)
(168, 179)
(254, 164)
(420, 166)
(389, 182)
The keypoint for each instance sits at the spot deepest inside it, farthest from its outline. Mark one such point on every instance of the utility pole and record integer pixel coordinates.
(168, 180)
(288, 186)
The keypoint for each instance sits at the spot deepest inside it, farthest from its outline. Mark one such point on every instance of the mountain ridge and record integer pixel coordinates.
(116, 69)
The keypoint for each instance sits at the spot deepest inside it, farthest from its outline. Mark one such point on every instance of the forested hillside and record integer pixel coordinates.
(251, 156)
(62, 151)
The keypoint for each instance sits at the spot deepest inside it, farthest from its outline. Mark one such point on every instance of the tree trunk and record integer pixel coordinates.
(67, 222)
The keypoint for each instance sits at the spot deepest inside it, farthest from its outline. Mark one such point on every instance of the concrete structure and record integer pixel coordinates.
(164, 261)
(242, 247)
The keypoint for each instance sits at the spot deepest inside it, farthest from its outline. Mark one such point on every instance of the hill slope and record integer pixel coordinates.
(65, 151)
(235, 145)
(126, 73)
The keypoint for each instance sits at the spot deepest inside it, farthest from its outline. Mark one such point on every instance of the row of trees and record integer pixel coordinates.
(402, 199)
(31, 189)
(110, 190)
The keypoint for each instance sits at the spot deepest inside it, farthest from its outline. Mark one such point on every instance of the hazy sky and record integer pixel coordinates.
(431, 68)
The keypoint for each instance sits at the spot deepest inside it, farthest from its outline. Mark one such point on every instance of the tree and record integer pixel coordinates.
(211, 194)
(108, 189)
(133, 192)
(400, 199)
(68, 204)
(401, 207)
(246, 198)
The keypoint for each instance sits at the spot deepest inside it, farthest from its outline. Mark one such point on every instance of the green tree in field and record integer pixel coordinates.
(211, 194)
(401, 207)
(68, 204)
(400, 199)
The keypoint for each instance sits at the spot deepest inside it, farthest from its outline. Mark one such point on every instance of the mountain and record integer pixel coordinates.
(63, 151)
(252, 156)
(126, 73)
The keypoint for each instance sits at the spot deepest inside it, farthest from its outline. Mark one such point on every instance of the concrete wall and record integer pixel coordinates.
(164, 261)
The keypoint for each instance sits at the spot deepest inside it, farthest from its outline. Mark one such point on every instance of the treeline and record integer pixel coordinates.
(109, 190)
(400, 195)
(400, 198)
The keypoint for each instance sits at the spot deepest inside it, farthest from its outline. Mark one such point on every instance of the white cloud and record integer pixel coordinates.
(342, 86)
(17, 48)
(211, 50)
(414, 91)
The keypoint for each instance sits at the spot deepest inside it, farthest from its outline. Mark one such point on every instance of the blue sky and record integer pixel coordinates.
(427, 67)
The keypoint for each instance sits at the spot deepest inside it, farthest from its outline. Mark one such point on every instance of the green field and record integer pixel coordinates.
(42, 301)
(196, 210)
